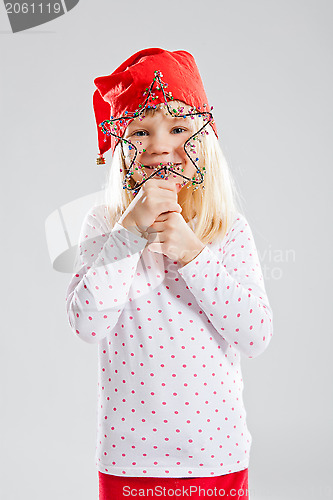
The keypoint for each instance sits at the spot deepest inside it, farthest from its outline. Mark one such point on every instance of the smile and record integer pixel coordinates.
(168, 165)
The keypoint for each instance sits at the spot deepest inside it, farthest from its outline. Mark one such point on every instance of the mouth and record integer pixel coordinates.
(162, 165)
(170, 171)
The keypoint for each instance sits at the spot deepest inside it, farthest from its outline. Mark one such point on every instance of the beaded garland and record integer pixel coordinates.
(117, 126)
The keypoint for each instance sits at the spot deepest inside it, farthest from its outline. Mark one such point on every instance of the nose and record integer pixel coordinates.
(158, 144)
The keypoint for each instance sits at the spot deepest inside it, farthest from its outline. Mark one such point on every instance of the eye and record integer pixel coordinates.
(140, 133)
(178, 130)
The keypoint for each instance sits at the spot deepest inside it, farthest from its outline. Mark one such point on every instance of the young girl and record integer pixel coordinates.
(169, 284)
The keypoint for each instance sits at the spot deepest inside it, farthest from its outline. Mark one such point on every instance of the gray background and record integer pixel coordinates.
(267, 69)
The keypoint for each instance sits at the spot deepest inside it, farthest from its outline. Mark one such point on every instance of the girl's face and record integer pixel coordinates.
(160, 139)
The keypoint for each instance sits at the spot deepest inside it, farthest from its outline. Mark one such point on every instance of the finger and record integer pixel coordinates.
(159, 223)
(162, 217)
(167, 207)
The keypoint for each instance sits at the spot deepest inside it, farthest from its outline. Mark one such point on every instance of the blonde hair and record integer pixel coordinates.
(215, 207)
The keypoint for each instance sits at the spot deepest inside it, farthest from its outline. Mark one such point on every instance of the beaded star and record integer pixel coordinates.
(117, 126)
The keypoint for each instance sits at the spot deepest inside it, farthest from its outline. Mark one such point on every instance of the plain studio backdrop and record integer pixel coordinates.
(267, 69)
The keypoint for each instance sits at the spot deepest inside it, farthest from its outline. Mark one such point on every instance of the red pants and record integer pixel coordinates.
(232, 486)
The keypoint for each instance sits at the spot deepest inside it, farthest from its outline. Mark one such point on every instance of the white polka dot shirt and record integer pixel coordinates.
(170, 340)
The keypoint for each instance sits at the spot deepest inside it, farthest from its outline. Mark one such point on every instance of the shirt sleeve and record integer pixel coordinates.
(229, 287)
(105, 268)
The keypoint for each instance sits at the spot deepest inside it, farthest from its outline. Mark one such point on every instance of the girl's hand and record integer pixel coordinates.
(154, 197)
(170, 235)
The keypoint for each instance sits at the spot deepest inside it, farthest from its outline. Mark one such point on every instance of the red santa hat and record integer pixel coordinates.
(123, 92)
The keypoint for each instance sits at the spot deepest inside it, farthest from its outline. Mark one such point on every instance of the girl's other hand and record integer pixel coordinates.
(171, 236)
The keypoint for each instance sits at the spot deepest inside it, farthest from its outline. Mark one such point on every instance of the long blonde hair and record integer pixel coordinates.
(213, 207)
